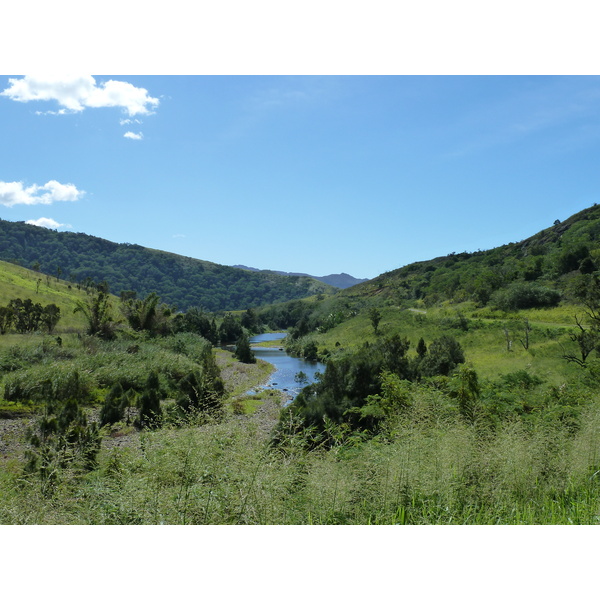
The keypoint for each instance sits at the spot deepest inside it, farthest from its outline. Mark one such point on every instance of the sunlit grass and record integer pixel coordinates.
(18, 282)
(419, 474)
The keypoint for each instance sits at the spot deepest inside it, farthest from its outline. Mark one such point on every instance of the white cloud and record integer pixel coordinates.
(75, 94)
(130, 122)
(46, 222)
(134, 136)
(62, 111)
(14, 192)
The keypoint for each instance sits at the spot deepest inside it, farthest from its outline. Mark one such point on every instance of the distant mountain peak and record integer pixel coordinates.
(340, 280)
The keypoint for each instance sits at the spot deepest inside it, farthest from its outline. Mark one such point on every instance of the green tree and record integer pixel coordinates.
(60, 438)
(310, 351)
(375, 317)
(113, 409)
(27, 315)
(147, 314)
(445, 353)
(98, 313)
(467, 391)
(195, 320)
(243, 351)
(251, 321)
(230, 329)
(50, 317)
(6, 318)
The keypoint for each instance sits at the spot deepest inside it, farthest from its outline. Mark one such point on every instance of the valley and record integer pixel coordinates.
(458, 390)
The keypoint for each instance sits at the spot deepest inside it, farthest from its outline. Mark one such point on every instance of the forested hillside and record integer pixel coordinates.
(538, 271)
(178, 280)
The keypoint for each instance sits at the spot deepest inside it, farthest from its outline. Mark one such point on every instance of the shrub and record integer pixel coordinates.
(523, 295)
(113, 409)
(444, 354)
(49, 382)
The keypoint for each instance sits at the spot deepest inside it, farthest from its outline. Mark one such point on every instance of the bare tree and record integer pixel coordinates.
(527, 328)
(586, 340)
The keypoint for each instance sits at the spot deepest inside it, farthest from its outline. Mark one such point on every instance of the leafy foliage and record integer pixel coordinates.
(61, 438)
(98, 313)
(27, 316)
(353, 380)
(243, 352)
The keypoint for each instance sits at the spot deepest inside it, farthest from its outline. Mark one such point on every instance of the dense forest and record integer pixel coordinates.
(179, 281)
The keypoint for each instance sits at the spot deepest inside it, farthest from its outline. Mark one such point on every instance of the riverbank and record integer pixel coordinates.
(239, 379)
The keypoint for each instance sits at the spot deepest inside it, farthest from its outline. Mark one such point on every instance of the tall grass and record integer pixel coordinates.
(419, 472)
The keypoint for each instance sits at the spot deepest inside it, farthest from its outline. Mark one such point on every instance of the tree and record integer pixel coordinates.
(230, 329)
(98, 313)
(467, 391)
(445, 353)
(310, 352)
(61, 437)
(301, 378)
(196, 321)
(50, 317)
(243, 351)
(527, 329)
(147, 314)
(26, 315)
(375, 317)
(191, 392)
(113, 409)
(251, 321)
(586, 339)
(6, 318)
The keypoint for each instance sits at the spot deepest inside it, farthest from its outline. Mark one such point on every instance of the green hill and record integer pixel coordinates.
(552, 258)
(543, 271)
(178, 280)
(18, 282)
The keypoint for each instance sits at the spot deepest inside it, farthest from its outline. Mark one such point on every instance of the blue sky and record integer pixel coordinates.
(317, 174)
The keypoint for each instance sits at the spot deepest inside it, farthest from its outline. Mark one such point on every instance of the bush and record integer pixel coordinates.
(444, 354)
(525, 295)
(49, 382)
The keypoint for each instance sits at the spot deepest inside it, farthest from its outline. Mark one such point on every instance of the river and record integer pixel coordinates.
(287, 367)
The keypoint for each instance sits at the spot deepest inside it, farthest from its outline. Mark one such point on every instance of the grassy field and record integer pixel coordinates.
(17, 282)
(483, 339)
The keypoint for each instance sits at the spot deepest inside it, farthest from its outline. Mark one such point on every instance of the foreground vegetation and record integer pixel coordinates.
(424, 470)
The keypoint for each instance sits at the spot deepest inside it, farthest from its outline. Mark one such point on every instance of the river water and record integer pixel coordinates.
(287, 367)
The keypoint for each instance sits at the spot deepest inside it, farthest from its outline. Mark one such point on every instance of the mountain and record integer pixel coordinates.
(340, 280)
(178, 280)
